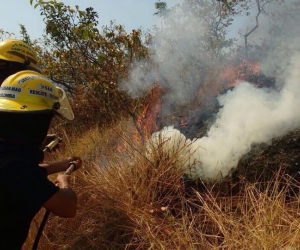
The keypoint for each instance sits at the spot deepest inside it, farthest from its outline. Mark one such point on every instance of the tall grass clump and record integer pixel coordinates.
(130, 199)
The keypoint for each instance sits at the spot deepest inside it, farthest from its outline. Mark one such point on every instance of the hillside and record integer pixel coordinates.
(127, 202)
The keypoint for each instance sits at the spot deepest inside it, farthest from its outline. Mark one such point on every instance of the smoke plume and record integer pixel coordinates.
(179, 51)
(248, 115)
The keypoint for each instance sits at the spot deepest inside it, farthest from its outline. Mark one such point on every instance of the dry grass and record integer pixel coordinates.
(127, 201)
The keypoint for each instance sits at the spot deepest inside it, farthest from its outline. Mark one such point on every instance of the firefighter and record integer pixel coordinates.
(28, 102)
(16, 55)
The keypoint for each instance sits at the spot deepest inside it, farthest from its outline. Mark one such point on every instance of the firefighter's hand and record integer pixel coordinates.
(62, 166)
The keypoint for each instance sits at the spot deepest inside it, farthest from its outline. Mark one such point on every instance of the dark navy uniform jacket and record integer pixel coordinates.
(24, 187)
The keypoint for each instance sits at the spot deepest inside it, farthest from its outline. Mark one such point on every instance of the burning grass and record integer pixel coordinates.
(130, 201)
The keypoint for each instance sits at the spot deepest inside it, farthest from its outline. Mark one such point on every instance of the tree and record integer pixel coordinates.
(273, 28)
(83, 58)
(5, 34)
(191, 47)
(211, 16)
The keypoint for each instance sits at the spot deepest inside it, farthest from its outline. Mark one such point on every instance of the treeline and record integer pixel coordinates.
(93, 62)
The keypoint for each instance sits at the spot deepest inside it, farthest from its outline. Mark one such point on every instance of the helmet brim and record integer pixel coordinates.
(20, 106)
(14, 106)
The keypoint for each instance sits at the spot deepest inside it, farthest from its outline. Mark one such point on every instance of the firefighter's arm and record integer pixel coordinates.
(60, 166)
(64, 202)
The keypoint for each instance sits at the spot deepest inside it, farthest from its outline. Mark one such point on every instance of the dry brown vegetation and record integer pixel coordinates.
(127, 201)
(130, 201)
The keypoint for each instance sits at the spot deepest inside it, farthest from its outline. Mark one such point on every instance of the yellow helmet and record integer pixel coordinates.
(14, 50)
(28, 91)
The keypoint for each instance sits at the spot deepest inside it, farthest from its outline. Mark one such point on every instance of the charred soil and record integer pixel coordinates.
(265, 163)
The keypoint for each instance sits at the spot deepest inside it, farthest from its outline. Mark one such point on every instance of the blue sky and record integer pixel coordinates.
(133, 14)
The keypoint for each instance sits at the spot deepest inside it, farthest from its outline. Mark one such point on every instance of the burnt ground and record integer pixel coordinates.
(264, 162)
(275, 165)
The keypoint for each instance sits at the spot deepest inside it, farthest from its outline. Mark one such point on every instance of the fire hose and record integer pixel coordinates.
(71, 167)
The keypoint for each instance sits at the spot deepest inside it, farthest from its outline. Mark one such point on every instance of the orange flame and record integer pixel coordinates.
(183, 123)
(235, 74)
(147, 121)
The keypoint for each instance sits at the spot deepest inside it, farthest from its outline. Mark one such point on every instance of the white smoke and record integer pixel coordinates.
(249, 116)
(181, 56)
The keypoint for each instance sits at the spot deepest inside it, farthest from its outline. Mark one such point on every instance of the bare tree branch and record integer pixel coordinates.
(254, 28)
